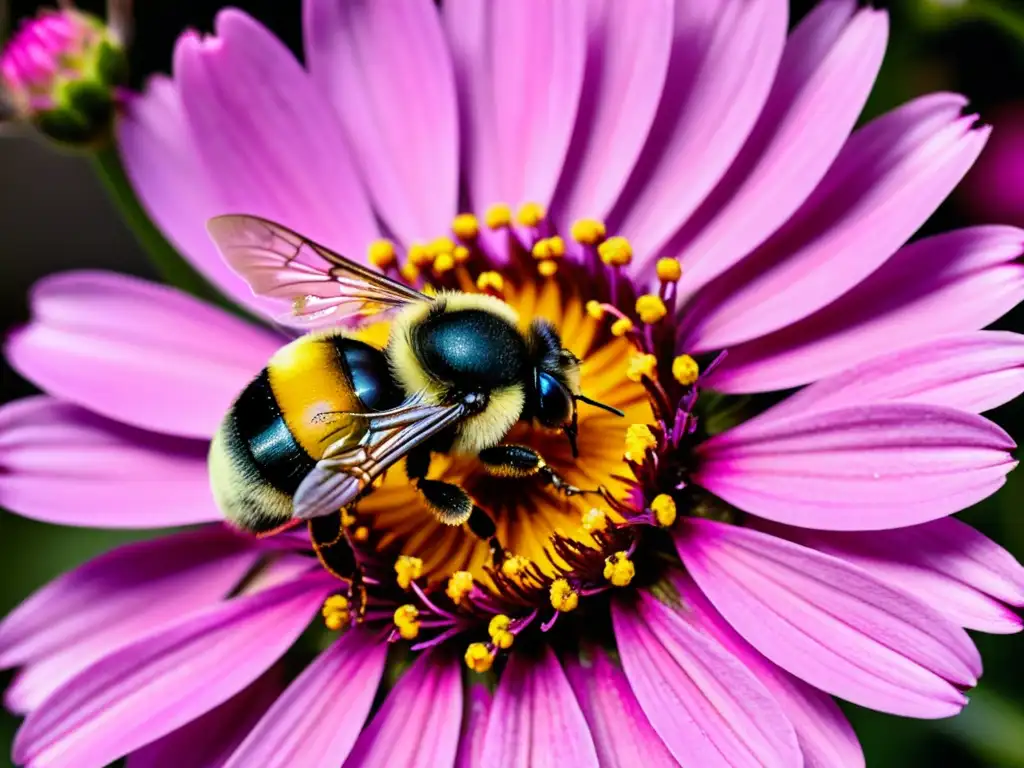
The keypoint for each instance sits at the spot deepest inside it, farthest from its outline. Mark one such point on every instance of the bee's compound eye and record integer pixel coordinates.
(554, 406)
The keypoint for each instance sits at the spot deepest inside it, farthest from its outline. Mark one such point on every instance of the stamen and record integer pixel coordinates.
(622, 326)
(461, 254)
(650, 308)
(639, 440)
(347, 518)
(421, 255)
(668, 270)
(619, 569)
(594, 519)
(498, 629)
(664, 509)
(407, 621)
(563, 597)
(337, 612)
(465, 226)
(440, 245)
(381, 254)
(587, 231)
(595, 309)
(409, 272)
(408, 568)
(498, 216)
(479, 657)
(615, 251)
(460, 584)
(445, 262)
(685, 370)
(491, 282)
(361, 534)
(531, 214)
(514, 566)
(640, 366)
(547, 268)
(549, 248)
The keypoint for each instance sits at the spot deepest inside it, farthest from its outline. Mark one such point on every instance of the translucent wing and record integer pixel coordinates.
(341, 475)
(321, 286)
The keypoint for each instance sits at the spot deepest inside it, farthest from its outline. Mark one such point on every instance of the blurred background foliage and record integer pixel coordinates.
(54, 216)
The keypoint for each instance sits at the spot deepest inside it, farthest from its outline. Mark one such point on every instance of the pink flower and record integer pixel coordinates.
(816, 552)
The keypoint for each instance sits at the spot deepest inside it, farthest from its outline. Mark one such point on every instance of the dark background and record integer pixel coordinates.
(54, 216)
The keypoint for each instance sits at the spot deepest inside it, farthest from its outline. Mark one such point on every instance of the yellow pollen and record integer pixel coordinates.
(615, 251)
(563, 597)
(429, 290)
(547, 268)
(445, 262)
(594, 309)
(421, 255)
(639, 440)
(336, 612)
(557, 247)
(362, 533)
(531, 214)
(381, 254)
(685, 370)
(515, 565)
(461, 254)
(460, 584)
(407, 621)
(619, 569)
(541, 249)
(498, 216)
(407, 569)
(640, 366)
(490, 282)
(441, 245)
(479, 657)
(409, 272)
(668, 270)
(465, 226)
(347, 518)
(594, 520)
(664, 509)
(498, 629)
(650, 308)
(622, 326)
(587, 231)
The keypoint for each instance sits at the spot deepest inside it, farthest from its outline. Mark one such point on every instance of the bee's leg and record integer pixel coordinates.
(482, 526)
(522, 461)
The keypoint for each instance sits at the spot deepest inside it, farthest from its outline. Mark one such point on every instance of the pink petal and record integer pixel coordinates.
(725, 54)
(826, 738)
(708, 709)
(826, 73)
(952, 283)
(208, 741)
(137, 352)
(418, 726)
(474, 726)
(830, 623)
(271, 143)
(317, 720)
(971, 372)
(64, 465)
(132, 587)
(386, 69)
(627, 61)
(519, 69)
(857, 468)
(535, 720)
(889, 178)
(945, 563)
(151, 687)
(622, 734)
(160, 159)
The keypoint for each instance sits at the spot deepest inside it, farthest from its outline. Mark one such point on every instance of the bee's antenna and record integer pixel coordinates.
(600, 405)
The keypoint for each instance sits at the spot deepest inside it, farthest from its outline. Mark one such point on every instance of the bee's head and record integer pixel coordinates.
(555, 405)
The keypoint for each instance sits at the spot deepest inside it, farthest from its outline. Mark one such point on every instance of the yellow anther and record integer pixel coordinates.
(409, 272)
(407, 621)
(650, 308)
(445, 262)
(563, 597)
(557, 247)
(615, 251)
(594, 519)
(594, 309)
(461, 254)
(664, 509)
(541, 249)
(514, 566)
(407, 569)
(336, 612)
(685, 370)
(347, 518)
(421, 255)
(361, 534)
(547, 268)
(619, 569)
(479, 657)
(381, 254)
(587, 231)
(490, 282)
(531, 214)
(639, 440)
(622, 326)
(668, 270)
(640, 366)
(498, 629)
(465, 226)
(460, 584)
(498, 216)
(441, 245)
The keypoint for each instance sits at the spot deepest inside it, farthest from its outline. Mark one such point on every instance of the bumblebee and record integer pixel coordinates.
(330, 414)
